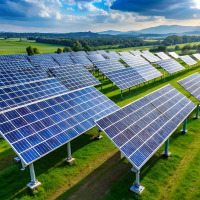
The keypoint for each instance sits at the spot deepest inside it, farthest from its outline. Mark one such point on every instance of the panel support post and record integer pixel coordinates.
(166, 153)
(69, 158)
(122, 155)
(98, 137)
(121, 95)
(184, 126)
(101, 83)
(34, 184)
(137, 188)
(197, 113)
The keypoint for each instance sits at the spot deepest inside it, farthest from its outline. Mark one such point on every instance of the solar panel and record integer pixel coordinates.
(13, 57)
(92, 52)
(150, 57)
(172, 103)
(63, 59)
(17, 76)
(82, 60)
(163, 56)
(14, 64)
(170, 65)
(134, 61)
(96, 57)
(136, 53)
(140, 128)
(129, 77)
(36, 129)
(102, 52)
(188, 60)
(197, 56)
(109, 65)
(112, 55)
(192, 85)
(24, 93)
(126, 54)
(78, 53)
(74, 76)
(174, 55)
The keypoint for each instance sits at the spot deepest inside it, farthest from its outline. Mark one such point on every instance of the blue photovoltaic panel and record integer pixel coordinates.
(63, 59)
(112, 55)
(17, 76)
(192, 85)
(102, 52)
(136, 53)
(14, 57)
(188, 60)
(78, 53)
(126, 54)
(134, 61)
(96, 57)
(92, 52)
(174, 55)
(150, 57)
(39, 128)
(109, 65)
(74, 76)
(138, 130)
(172, 103)
(163, 56)
(170, 65)
(17, 64)
(21, 94)
(82, 60)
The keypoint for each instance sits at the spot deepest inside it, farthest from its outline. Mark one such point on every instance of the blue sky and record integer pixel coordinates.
(95, 15)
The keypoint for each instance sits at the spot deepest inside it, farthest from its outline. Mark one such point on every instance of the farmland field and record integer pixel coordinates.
(99, 173)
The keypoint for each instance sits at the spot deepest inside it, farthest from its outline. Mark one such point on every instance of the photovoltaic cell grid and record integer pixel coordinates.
(129, 77)
(192, 85)
(174, 55)
(102, 52)
(127, 54)
(163, 56)
(16, 76)
(14, 57)
(92, 52)
(78, 53)
(15, 64)
(63, 60)
(197, 56)
(83, 60)
(37, 129)
(134, 61)
(188, 60)
(172, 103)
(21, 94)
(170, 65)
(137, 130)
(96, 57)
(74, 77)
(136, 53)
(148, 52)
(112, 55)
(150, 57)
(109, 65)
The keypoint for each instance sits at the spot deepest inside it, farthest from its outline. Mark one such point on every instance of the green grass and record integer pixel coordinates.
(14, 46)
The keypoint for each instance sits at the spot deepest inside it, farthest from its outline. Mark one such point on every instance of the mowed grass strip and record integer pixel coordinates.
(54, 174)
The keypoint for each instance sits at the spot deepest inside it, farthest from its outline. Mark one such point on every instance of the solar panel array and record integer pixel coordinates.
(78, 53)
(74, 76)
(129, 77)
(63, 60)
(147, 52)
(13, 57)
(15, 64)
(21, 94)
(35, 130)
(125, 53)
(109, 65)
(92, 52)
(170, 65)
(174, 55)
(188, 60)
(102, 52)
(112, 55)
(163, 56)
(134, 61)
(96, 57)
(150, 57)
(140, 128)
(197, 56)
(136, 53)
(82, 60)
(16, 76)
(192, 85)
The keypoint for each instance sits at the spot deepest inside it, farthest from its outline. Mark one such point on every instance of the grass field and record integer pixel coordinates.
(99, 173)
(14, 46)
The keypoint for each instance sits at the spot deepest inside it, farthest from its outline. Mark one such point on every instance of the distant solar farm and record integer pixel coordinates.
(48, 100)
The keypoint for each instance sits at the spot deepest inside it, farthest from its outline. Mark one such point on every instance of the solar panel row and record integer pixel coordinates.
(188, 60)
(163, 56)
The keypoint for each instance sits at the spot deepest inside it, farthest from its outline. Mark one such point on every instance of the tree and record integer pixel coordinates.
(67, 49)
(30, 51)
(77, 46)
(5, 37)
(88, 48)
(185, 52)
(162, 48)
(177, 48)
(59, 50)
(186, 47)
(198, 48)
(194, 46)
(36, 50)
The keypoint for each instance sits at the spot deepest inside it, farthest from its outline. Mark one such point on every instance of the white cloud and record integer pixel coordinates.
(70, 9)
